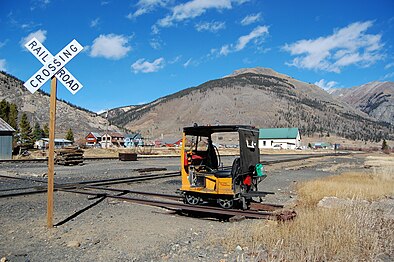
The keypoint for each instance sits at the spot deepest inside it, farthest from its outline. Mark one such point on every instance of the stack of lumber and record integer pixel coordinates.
(69, 156)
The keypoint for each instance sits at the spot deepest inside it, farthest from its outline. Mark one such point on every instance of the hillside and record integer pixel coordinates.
(36, 105)
(375, 99)
(259, 97)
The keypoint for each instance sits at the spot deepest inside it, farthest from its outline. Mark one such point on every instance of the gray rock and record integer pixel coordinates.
(73, 243)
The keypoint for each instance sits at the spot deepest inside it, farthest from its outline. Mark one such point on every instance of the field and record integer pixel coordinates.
(344, 208)
(345, 217)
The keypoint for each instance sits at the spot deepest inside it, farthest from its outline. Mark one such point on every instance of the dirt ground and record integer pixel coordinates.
(111, 230)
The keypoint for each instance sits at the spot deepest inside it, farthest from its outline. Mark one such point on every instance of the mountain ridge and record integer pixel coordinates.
(257, 96)
(36, 106)
(374, 98)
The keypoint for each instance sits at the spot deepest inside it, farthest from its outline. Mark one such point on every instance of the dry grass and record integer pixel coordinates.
(354, 233)
(367, 186)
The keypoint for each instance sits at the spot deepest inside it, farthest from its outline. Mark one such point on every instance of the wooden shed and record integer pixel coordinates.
(6, 133)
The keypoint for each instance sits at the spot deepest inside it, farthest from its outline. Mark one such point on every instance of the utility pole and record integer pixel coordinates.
(106, 130)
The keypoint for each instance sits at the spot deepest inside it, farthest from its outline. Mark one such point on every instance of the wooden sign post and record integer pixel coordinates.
(51, 156)
(53, 68)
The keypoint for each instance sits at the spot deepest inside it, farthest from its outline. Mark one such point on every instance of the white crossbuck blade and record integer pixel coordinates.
(53, 65)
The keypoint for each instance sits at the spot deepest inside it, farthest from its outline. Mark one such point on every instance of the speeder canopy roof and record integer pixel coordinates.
(208, 130)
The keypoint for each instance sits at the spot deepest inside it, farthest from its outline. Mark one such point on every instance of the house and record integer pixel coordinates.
(279, 138)
(133, 140)
(322, 145)
(173, 143)
(59, 143)
(93, 139)
(6, 133)
(113, 139)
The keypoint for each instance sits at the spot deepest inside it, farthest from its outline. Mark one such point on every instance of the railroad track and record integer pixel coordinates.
(100, 182)
(99, 189)
(43, 160)
(88, 188)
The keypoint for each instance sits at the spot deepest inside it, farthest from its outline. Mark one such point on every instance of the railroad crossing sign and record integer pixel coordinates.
(53, 66)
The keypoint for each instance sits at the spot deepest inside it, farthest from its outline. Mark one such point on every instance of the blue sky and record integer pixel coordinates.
(137, 51)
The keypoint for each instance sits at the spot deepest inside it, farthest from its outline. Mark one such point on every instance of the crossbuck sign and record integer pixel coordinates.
(53, 66)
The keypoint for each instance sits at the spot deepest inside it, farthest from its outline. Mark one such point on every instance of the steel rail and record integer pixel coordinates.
(156, 156)
(172, 197)
(131, 179)
(94, 182)
(183, 207)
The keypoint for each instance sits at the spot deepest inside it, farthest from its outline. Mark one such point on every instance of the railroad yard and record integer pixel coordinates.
(98, 214)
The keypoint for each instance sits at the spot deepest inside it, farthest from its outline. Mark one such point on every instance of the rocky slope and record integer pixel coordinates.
(375, 98)
(36, 105)
(256, 96)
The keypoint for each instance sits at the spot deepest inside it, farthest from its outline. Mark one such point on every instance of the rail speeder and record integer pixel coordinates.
(204, 179)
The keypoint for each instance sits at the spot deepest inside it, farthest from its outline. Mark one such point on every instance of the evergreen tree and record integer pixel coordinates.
(46, 131)
(13, 116)
(385, 146)
(38, 133)
(25, 130)
(9, 113)
(4, 110)
(70, 135)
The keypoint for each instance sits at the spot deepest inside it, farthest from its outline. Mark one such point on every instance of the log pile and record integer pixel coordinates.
(69, 156)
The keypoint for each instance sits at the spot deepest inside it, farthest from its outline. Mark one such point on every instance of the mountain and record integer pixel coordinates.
(253, 96)
(36, 106)
(375, 99)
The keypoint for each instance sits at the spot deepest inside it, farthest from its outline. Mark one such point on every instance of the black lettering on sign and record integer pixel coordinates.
(67, 54)
(62, 58)
(51, 67)
(31, 83)
(74, 87)
(43, 59)
(65, 78)
(57, 63)
(37, 50)
(73, 48)
(70, 83)
(32, 44)
(39, 78)
(45, 72)
(61, 73)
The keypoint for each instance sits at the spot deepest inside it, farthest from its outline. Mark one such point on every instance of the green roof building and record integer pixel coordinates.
(279, 138)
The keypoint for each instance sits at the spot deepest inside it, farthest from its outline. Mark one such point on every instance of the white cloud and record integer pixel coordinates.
(2, 65)
(389, 75)
(224, 50)
(250, 19)
(39, 4)
(326, 85)
(41, 36)
(95, 22)
(156, 43)
(210, 26)
(389, 65)
(191, 10)
(187, 63)
(147, 67)
(347, 46)
(146, 6)
(175, 60)
(257, 35)
(3, 43)
(110, 46)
